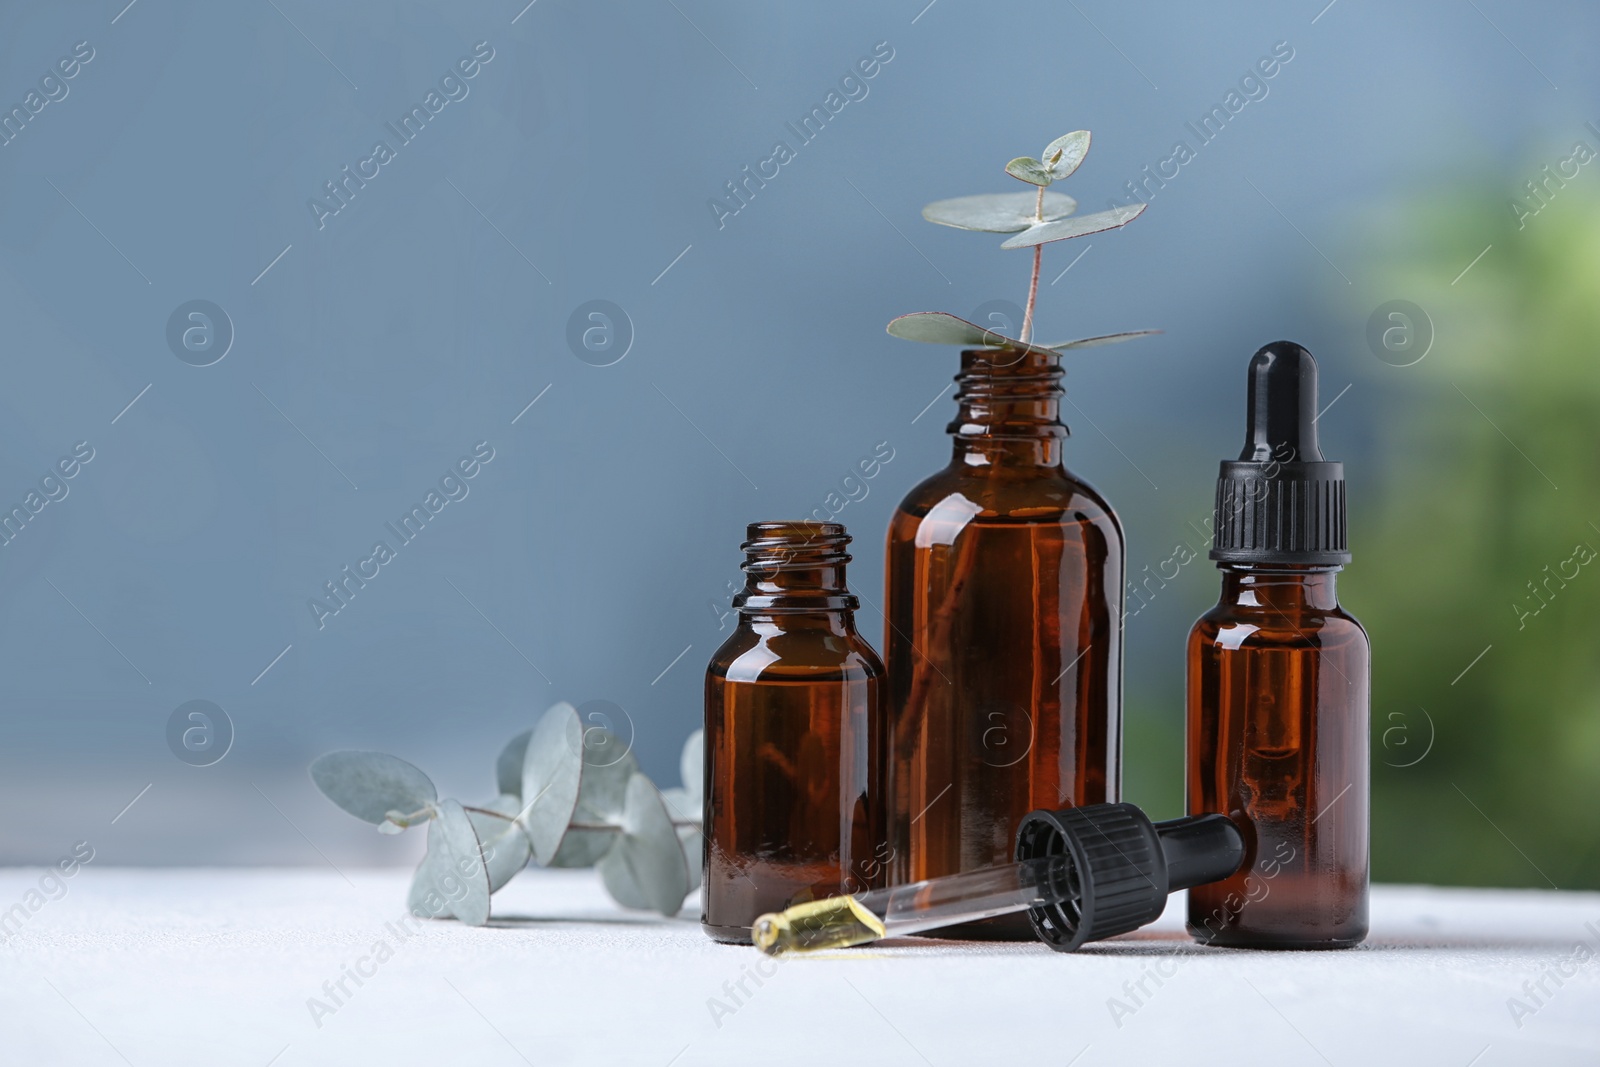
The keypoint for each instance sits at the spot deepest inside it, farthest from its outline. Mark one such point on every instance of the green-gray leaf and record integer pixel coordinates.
(506, 849)
(941, 328)
(464, 854)
(603, 790)
(602, 796)
(508, 767)
(647, 868)
(424, 899)
(552, 772)
(618, 879)
(583, 848)
(693, 855)
(1103, 339)
(453, 878)
(692, 769)
(999, 212)
(1073, 147)
(1078, 226)
(682, 806)
(1030, 170)
(369, 785)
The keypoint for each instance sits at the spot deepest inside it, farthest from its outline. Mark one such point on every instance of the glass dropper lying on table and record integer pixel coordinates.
(1082, 874)
(840, 922)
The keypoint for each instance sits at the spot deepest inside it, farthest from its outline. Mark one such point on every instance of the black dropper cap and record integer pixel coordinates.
(1280, 501)
(1123, 866)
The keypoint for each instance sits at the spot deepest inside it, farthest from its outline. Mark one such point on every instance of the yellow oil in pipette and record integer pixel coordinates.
(837, 922)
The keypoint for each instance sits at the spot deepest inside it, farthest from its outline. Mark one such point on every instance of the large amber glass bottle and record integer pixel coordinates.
(1278, 686)
(1005, 575)
(796, 740)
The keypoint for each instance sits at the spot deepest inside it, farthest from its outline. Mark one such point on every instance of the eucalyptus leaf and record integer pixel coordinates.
(424, 899)
(369, 785)
(508, 767)
(1077, 226)
(999, 212)
(602, 795)
(1073, 147)
(506, 849)
(603, 789)
(692, 767)
(583, 848)
(1030, 170)
(506, 856)
(1103, 339)
(941, 328)
(647, 868)
(552, 772)
(464, 853)
(693, 854)
(453, 878)
(618, 879)
(682, 805)
(603, 749)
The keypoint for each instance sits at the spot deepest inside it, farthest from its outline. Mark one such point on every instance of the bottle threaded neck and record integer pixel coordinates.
(1008, 394)
(793, 567)
(1280, 588)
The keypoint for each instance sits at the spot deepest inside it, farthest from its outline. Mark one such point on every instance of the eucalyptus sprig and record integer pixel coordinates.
(1037, 219)
(569, 796)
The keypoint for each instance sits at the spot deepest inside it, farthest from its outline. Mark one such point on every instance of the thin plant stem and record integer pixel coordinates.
(409, 819)
(1033, 282)
(486, 811)
(600, 826)
(1033, 294)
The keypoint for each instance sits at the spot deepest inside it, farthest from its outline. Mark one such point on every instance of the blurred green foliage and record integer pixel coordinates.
(1475, 537)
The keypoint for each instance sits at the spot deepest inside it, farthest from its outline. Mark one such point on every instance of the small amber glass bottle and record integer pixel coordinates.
(1004, 640)
(796, 742)
(1278, 689)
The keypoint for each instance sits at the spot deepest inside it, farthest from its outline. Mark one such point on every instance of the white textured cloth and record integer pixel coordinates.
(224, 967)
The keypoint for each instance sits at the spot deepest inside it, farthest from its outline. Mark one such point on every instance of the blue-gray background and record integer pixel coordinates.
(423, 318)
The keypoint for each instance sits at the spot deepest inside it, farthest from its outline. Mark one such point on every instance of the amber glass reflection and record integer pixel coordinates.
(1278, 740)
(795, 737)
(1003, 642)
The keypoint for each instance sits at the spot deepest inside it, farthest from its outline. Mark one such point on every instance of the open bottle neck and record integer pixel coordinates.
(794, 570)
(1280, 587)
(1008, 410)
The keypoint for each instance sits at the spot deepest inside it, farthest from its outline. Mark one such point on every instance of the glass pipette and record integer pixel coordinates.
(1083, 874)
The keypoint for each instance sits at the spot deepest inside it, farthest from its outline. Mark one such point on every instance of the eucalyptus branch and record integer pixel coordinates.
(635, 835)
(1033, 221)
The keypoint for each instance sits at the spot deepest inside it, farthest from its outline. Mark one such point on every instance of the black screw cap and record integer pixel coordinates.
(1123, 866)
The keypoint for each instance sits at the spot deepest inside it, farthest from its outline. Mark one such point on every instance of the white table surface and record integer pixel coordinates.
(216, 967)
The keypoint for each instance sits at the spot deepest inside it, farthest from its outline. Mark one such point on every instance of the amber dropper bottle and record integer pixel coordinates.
(796, 741)
(1003, 638)
(1278, 685)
